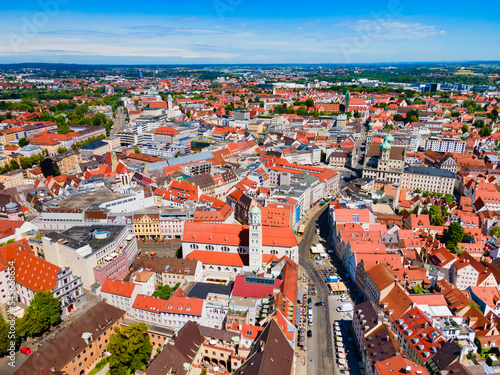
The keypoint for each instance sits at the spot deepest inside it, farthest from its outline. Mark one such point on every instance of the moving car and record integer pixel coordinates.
(321, 303)
(309, 333)
(26, 350)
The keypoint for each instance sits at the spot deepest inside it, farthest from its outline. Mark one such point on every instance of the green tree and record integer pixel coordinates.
(302, 111)
(137, 150)
(47, 306)
(465, 129)
(43, 312)
(61, 150)
(417, 289)
(357, 114)
(418, 191)
(6, 337)
(485, 131)
(130, 349)
(433, 211)
(14, 165)
(23, 142)
(49, 168)
(478, 124)
(454, 234)
(495, 231)
(164, 292)
(31, 324)
(411, 116)
(398, 117)
(309, 103)
(449, 198)
(437, 221)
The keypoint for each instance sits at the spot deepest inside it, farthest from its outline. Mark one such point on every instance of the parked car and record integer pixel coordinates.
(344, 296)
(26, 350)
(317, 231)
(309, 300)
(309, 333)
(345, 300)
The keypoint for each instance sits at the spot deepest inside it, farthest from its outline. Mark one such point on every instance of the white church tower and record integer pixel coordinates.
(255, 240)
(169, 102)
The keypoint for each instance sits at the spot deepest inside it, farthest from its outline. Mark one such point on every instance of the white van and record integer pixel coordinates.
(345, 307)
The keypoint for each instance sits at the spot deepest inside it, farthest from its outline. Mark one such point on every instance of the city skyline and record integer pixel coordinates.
(233, 31)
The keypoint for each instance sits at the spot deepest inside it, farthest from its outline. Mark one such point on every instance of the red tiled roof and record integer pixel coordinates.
(118, 287)
(210, 257)
(236, 234)
(246, 287)
(31, 272)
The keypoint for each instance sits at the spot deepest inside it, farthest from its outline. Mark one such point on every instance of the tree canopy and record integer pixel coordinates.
(453, 235)
(495, 231)
(164, 292)
(6, 337)
(49, 168)
(130, 349)
(43, 312)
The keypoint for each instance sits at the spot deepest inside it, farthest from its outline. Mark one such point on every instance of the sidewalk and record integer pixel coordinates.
(104, 370)
(301, 354)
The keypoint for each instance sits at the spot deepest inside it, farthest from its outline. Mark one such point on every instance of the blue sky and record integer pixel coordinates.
(243, 31)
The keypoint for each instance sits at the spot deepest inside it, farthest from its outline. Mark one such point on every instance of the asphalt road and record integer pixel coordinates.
(119, 120)
(320, 346)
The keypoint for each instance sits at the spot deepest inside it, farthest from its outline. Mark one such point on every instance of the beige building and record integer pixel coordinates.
(12, 178)
(113, 142)
(256, 127)
(428, 179)
(340, 159)
(170, 271)
(146, 225)
(385, 162)
(68, 161)
(76, 349)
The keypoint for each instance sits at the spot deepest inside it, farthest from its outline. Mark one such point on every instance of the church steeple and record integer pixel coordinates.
(255, 240)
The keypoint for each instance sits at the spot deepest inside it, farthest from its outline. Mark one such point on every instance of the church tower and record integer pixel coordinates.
(169, 102)
(255, 240)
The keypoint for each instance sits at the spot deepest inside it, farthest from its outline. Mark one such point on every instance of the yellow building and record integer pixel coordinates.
(256, 127)
(68, 161)
(146, 225)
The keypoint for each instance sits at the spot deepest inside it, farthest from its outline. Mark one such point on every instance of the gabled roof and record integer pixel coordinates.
(31, 272)
(270, 354)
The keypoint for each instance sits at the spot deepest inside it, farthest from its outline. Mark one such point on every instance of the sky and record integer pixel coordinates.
(243, 31)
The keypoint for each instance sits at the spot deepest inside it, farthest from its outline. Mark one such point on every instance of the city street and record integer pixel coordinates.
(320, 348)
(119, 121)
(320, 345)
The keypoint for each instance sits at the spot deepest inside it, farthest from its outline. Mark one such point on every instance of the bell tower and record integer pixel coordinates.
(255, 240)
